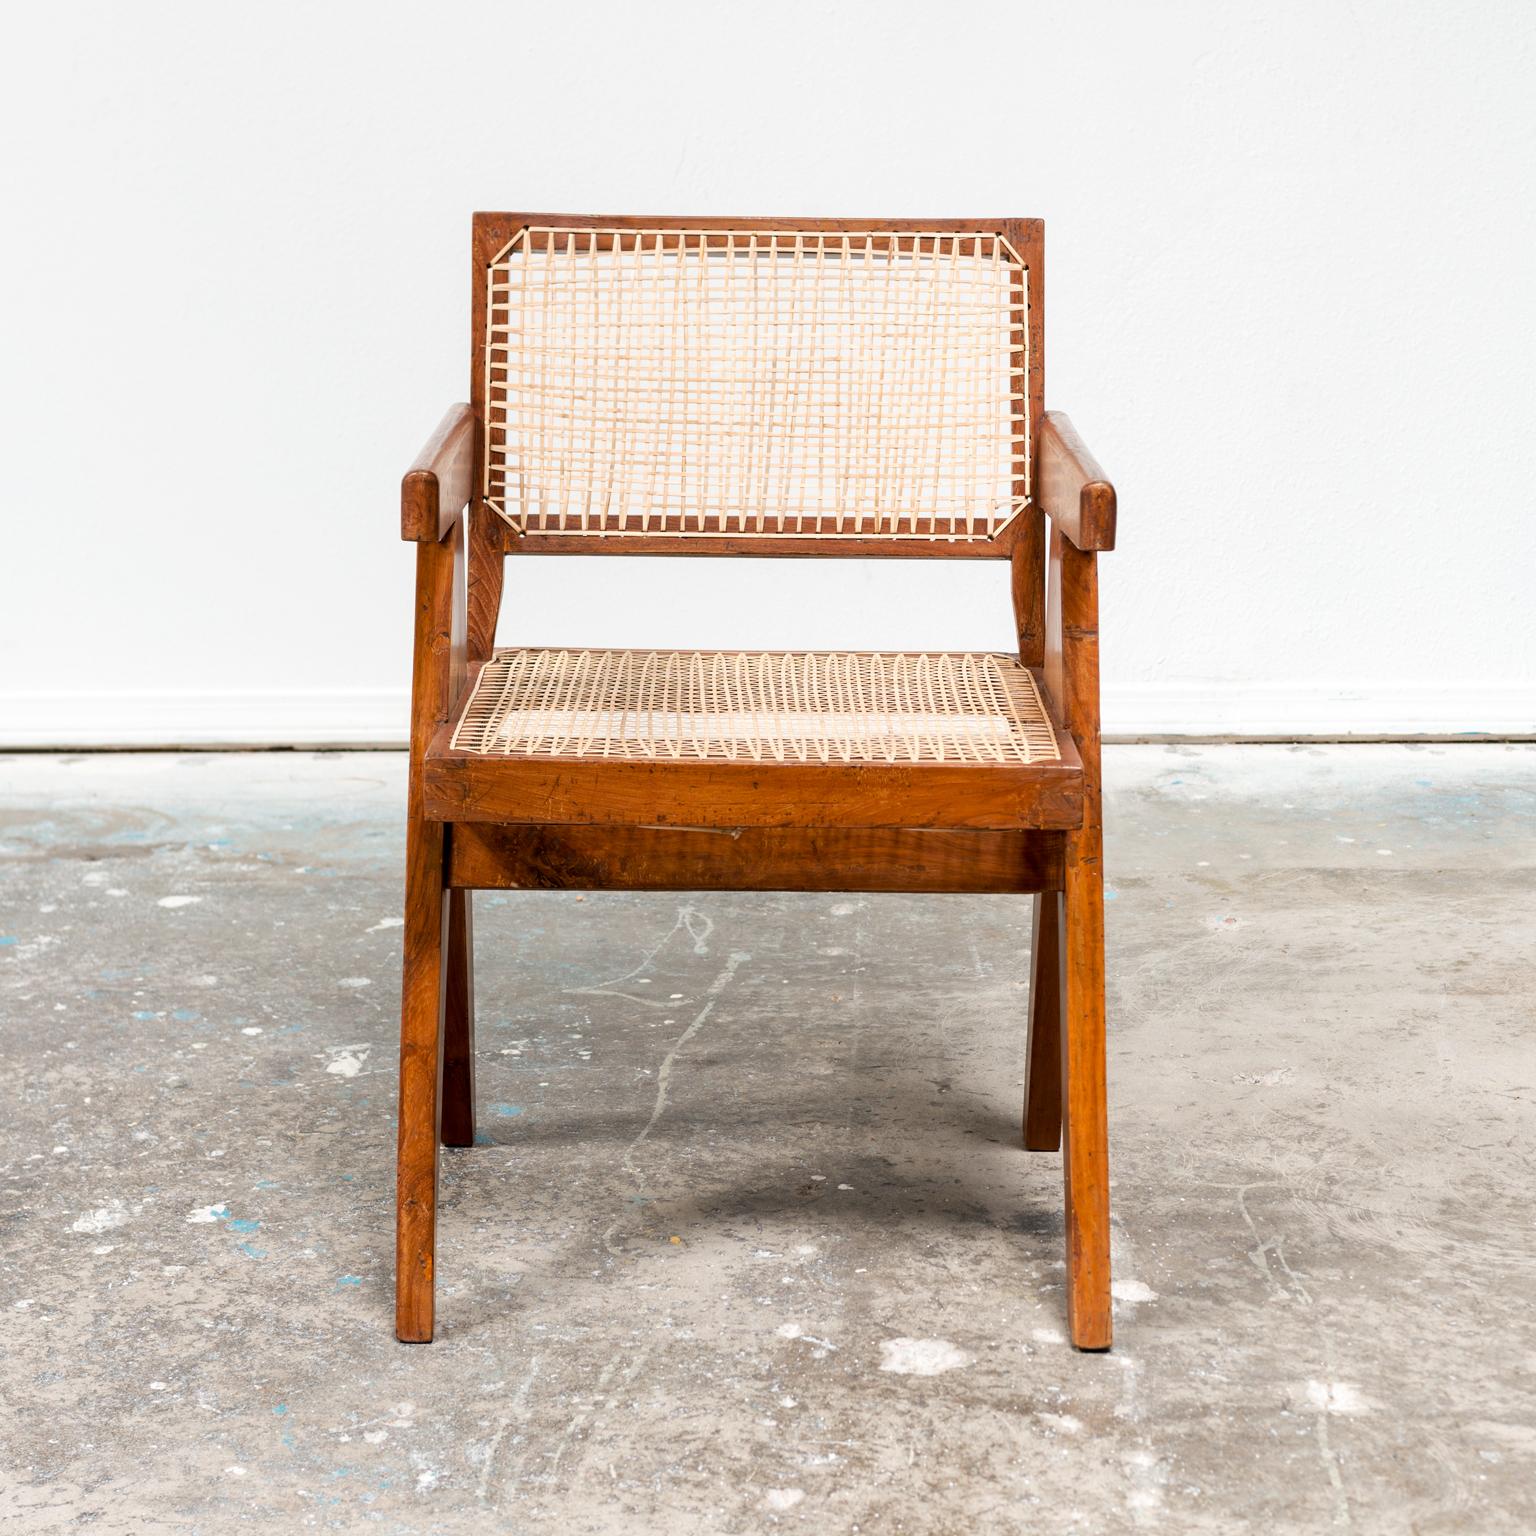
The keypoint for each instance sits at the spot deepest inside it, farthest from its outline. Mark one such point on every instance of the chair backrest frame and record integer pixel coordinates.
(494, 232)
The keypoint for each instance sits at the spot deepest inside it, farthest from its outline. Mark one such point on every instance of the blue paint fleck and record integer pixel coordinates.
(186, 1016)
(7, 939)
(506, 1111)
(243, 1224)
(350, 1280)
(482, 1139)
(252, 1253)
(1111, 894)
(143, 1015)
(280, 1409)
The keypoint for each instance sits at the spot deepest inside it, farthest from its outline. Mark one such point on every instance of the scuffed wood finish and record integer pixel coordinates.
(491, 233)
(526, 823)
(437, 486)
(1073, 490)
(1073, 645)
(1027, 586)
(1042, 1069)
(437, 677)
(651, 792)
(487, 568)
(499, 228)
(421, 1016)
(597, 858)
(458, 1116)
(781, 546)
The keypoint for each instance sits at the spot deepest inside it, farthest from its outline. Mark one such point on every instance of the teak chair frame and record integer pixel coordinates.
(481, 823)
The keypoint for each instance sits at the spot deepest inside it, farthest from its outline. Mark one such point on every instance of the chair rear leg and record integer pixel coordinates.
(1042, 1071)
(459, 1025)
(421, 1024)
(1084, 1108)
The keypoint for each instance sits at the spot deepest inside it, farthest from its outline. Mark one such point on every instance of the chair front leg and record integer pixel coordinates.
(1085, 1124)
(421, 1055)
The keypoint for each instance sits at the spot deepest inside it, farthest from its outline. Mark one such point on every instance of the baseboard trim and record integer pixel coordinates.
(189, 721)
(317, 719)
(1231, 711)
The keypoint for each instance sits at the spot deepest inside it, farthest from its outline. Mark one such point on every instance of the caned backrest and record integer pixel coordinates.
(756, 383)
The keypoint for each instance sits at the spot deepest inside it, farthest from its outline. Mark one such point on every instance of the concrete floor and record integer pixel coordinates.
(750, 1245)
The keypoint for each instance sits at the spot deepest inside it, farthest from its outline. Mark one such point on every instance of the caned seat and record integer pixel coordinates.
(757, 706)
(937, 739)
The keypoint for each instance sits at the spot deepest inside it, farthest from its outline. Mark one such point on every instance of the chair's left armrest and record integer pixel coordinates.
(438, 485)
(1074, 492)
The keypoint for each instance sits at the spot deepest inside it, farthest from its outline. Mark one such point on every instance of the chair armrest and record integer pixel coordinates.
(439, 484)
(1074, 492)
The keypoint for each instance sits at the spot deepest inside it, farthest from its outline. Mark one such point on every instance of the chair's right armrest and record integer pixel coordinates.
(1074, 492)
(437, 487)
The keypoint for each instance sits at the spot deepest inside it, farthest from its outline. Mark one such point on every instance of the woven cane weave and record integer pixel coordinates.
(785, 706)
(756, 384)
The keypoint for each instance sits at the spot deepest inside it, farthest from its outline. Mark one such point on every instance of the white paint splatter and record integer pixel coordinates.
(386, 922)
(178, 901)
(376, 1436)
(253, 1029)
(347, 1061)
(1271, 1079)
(781, 1499)
(922, 1357)
(102, 1219)
(1064, 1423)
(1048, 1336)
(1336, 1397)
(355, 981)
(207, 1214)
(795, 1331)
(1132, 1291)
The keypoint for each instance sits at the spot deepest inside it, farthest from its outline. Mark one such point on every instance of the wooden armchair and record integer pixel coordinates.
(757, 387)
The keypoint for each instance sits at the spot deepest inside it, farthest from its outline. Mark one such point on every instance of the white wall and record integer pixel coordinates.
(1290, 258)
